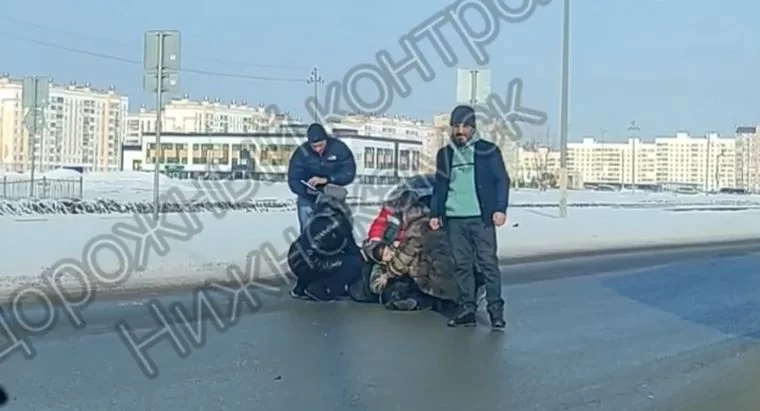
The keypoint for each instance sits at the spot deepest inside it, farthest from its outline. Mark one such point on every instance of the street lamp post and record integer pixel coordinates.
(602, 132)
(564, 101)
(633, 129)
(315, 79)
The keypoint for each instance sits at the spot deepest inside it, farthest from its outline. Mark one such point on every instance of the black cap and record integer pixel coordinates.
(316, 133)
(463, 115)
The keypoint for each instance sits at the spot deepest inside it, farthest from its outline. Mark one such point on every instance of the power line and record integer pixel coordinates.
(125, 44)
(137, 62)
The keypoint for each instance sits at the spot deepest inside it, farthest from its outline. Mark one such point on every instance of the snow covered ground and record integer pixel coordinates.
(203, 247)
(125, 192)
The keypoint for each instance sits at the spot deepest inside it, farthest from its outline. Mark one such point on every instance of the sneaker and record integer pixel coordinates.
(298, 292)
(465, 316)
(496, 315)
(408, 304)
(318, 293)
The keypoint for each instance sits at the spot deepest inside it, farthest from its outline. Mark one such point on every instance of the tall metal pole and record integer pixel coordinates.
(564, 97)
(633, 128)
(162, 65)
(33, 139)
(159, 104)
(602, 132)
(315, 79)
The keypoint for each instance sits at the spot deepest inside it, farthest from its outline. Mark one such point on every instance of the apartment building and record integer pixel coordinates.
(208, 115)
(705, 162)
(395, 128)
(535, 162)
(83, 126)
(266, 155)
(748, 158)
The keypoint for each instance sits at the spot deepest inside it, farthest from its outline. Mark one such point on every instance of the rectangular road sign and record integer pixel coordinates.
(35, 92)
(171, 50)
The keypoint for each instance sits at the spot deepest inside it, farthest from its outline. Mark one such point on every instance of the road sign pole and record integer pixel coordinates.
(33, 136)
(564, 101)
(162, 49)
(159, 105)
(34, 98)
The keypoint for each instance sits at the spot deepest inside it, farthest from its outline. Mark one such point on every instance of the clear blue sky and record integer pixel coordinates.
(670, 65)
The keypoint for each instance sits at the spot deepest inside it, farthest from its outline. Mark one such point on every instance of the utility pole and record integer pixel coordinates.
(315, 79)
(633, 129)
(35, 94)
(602, 132)
(162, 50)
(564, 100)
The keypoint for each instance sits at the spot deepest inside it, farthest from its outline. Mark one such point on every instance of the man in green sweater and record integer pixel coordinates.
(470, 199)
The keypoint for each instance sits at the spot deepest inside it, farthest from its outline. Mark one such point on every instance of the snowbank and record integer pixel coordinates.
(14, 209)
(132, 192)
(136, 186)
(180, 255)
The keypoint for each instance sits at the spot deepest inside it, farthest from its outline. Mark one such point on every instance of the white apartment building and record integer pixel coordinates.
(193, 155)
(706, 162)
(605, 162)
(534, 163)
(83, 127)
(205, 116)
(748, 158)
(396, 128)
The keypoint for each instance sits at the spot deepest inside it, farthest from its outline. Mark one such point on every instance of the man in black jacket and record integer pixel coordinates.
(325, 257)
(470, 199)
(321, 160)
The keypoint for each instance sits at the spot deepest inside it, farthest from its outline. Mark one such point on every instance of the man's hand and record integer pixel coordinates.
(499, 218)
(435, 223)
(380, 282)
(317, 181)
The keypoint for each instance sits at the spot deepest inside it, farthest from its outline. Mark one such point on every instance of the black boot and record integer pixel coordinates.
(496, 314)
(465, 316)
(299, 291)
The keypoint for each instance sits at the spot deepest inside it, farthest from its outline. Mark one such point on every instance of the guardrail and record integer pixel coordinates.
(42, 188)
(27, 207)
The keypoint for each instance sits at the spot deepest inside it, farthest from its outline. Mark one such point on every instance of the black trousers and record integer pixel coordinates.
(472, 241)
(337, 279)
(404, 288)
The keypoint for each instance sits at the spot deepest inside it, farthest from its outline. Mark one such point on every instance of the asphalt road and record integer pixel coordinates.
(653, 331)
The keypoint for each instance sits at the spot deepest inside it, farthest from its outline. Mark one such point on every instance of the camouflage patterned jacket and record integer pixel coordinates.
(424, 255)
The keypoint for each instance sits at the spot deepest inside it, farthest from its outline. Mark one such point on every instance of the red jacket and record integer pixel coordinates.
(380, 223)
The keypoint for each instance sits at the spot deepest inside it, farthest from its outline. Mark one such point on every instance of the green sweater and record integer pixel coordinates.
(462, 200)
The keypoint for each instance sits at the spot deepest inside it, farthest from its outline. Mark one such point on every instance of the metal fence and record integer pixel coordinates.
(42, 188)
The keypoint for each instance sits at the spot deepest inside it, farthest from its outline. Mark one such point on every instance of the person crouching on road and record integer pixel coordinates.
(325, 258)
(320, 160)
(470, 198)
(411, 269)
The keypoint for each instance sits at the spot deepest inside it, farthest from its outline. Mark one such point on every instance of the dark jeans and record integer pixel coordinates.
(334, 282)
(472, 241)
(405, 288)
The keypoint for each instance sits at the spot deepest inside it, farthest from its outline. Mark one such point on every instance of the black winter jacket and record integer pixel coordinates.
(326, 243)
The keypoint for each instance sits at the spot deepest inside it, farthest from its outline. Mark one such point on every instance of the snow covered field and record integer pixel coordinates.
(203, 247)
(129, 192)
